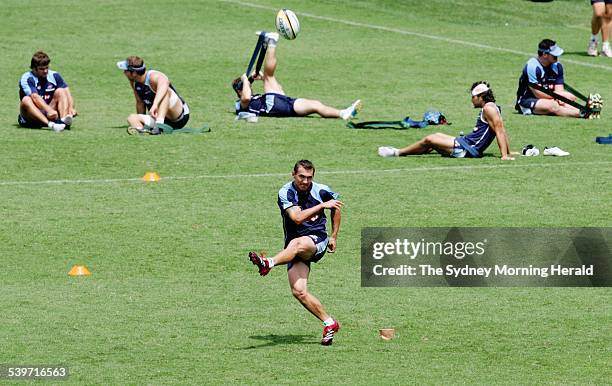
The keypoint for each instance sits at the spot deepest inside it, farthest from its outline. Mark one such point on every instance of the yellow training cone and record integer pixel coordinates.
(79, 270)
(151, 177)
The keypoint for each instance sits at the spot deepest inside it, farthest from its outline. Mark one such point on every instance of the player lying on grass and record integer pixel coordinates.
(273, 102)
(45, 98)
(302, 203)
(489, 125)
(153, 92)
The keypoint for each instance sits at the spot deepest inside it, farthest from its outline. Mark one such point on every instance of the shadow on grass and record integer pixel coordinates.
(275, 340)
(577, 53)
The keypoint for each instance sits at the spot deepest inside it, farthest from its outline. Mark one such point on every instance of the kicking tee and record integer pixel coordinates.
(289, 196)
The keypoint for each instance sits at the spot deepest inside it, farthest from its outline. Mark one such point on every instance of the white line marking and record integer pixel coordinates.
(506, 165)
(412, 33)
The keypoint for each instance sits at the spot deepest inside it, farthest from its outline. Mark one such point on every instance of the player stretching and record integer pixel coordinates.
(302, 203)
(274, 102)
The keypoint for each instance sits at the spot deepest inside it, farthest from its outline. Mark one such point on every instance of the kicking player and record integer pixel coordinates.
(153, 92)
(46, 100)
(546, 71)
(273, 102)
(302, 203)
(489, 125)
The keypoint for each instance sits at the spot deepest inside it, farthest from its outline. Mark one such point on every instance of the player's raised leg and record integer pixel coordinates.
(270, 83)
(302, 247)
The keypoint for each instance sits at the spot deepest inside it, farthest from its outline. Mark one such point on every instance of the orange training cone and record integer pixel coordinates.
(79, 270)
(151, 177)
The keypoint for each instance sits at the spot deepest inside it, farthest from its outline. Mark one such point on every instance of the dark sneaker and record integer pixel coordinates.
(260, 262)
(328, 333)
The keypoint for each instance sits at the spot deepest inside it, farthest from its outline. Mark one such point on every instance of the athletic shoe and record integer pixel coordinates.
(261, 262)
(606, 51)
(57, 127)
(351, 111)
(555, 151)
(386, 151)
(137, 131)
(531, 151)
(67, 120)
(328, 333)
(592, 50)
(272, 39)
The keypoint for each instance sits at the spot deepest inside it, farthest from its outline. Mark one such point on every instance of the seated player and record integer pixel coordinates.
(547, 72)
(489, 125)
(153, 92)
(273, 102)
(45, 98)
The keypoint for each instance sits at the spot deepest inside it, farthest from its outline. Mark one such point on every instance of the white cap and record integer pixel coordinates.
(554, 51)
(123, 65)
(480, 89)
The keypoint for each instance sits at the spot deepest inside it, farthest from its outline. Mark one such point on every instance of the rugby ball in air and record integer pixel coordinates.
(287, 24)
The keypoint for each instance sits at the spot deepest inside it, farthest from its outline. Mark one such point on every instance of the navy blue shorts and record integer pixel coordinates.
(23, 122)
(526, 106)
(278, 105)
(178, 124)
(321, 245)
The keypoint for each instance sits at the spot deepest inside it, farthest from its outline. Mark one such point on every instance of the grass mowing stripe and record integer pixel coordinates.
(327, 172)
(419, 34)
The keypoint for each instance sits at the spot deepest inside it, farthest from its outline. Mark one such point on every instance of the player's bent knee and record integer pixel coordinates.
(26, 101)
(299, 293)
(303, 244)
(60, 93)
(428, 140)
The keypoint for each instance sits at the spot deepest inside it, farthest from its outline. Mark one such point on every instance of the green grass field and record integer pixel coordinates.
(173, 299)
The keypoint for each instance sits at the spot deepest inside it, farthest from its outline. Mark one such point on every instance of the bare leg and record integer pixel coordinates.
(138, 120)
(598, 14)
(440, 142)
(298, 280)
(302, 247)
(304, 107)
(606, 27)
(269, 79)
(551, 107)
(29, 111)
(61, 101)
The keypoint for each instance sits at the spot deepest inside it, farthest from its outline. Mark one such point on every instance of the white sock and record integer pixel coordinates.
(593, 38)
(158, 121)
(270, 262)
(328, 322)
(605, 45)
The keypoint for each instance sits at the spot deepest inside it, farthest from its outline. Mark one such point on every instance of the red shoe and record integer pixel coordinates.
(328, 333)
(261, 262)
